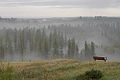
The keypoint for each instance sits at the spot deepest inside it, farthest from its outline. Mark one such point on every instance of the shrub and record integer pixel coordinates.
(94, 74)
(90, 75)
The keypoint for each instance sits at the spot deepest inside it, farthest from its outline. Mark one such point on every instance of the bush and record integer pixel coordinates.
(90, 75)
(94, 74)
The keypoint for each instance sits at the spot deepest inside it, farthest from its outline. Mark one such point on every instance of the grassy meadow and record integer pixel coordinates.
(66, 69)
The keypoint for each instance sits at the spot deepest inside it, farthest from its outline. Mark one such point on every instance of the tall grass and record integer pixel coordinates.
(7, 72)
(57, 70)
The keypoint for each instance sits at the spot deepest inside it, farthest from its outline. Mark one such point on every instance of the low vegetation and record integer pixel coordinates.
(90, 75)
(7, 72)
(59, 70)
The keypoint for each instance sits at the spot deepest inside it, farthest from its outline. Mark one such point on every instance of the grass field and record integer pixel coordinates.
(63, 69)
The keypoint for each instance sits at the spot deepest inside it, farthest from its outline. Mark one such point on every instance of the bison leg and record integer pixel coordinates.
(94, 59)
(105, 60)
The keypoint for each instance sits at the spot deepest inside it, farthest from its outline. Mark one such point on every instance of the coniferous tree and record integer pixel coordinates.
(92, 48)
(86, 49)
(55, 48)
(21, 44)
(76, 51)
(29, 40)
(72, 48)
(2, 50)
(45, 48)
(89, 50)
(69, 48)
(15, 40)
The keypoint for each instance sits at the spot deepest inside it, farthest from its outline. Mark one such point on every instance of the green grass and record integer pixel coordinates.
(64, 69)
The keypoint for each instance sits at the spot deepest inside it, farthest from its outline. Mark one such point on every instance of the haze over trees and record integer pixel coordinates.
(38, 42)
(48, 38)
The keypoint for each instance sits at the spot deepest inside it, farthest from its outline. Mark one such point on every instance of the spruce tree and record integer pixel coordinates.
(92, 48)
(86, 49)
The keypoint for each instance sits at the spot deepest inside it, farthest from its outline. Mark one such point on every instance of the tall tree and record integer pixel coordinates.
(21, 44)
(72, 48)
(2, 50)
(86, 49)
(92, 48)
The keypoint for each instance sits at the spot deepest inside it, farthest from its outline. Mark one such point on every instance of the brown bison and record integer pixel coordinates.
(99, 58)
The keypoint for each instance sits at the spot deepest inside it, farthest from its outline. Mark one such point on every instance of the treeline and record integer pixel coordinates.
(89, 50)
(47, 44)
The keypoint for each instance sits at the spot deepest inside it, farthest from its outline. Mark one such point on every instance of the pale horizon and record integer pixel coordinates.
(56, 8)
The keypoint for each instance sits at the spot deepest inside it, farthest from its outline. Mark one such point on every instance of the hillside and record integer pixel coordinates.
(65, 69)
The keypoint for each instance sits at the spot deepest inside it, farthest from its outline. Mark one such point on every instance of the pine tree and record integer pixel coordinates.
(15, 40)
(92, 48)
(55, 44)
(76, 51)
(21, 44)
(72, 48)
(86, 49)
(69, 48)
(2, 50)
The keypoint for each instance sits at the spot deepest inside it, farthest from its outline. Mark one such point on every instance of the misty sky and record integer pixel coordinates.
(59, 8)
